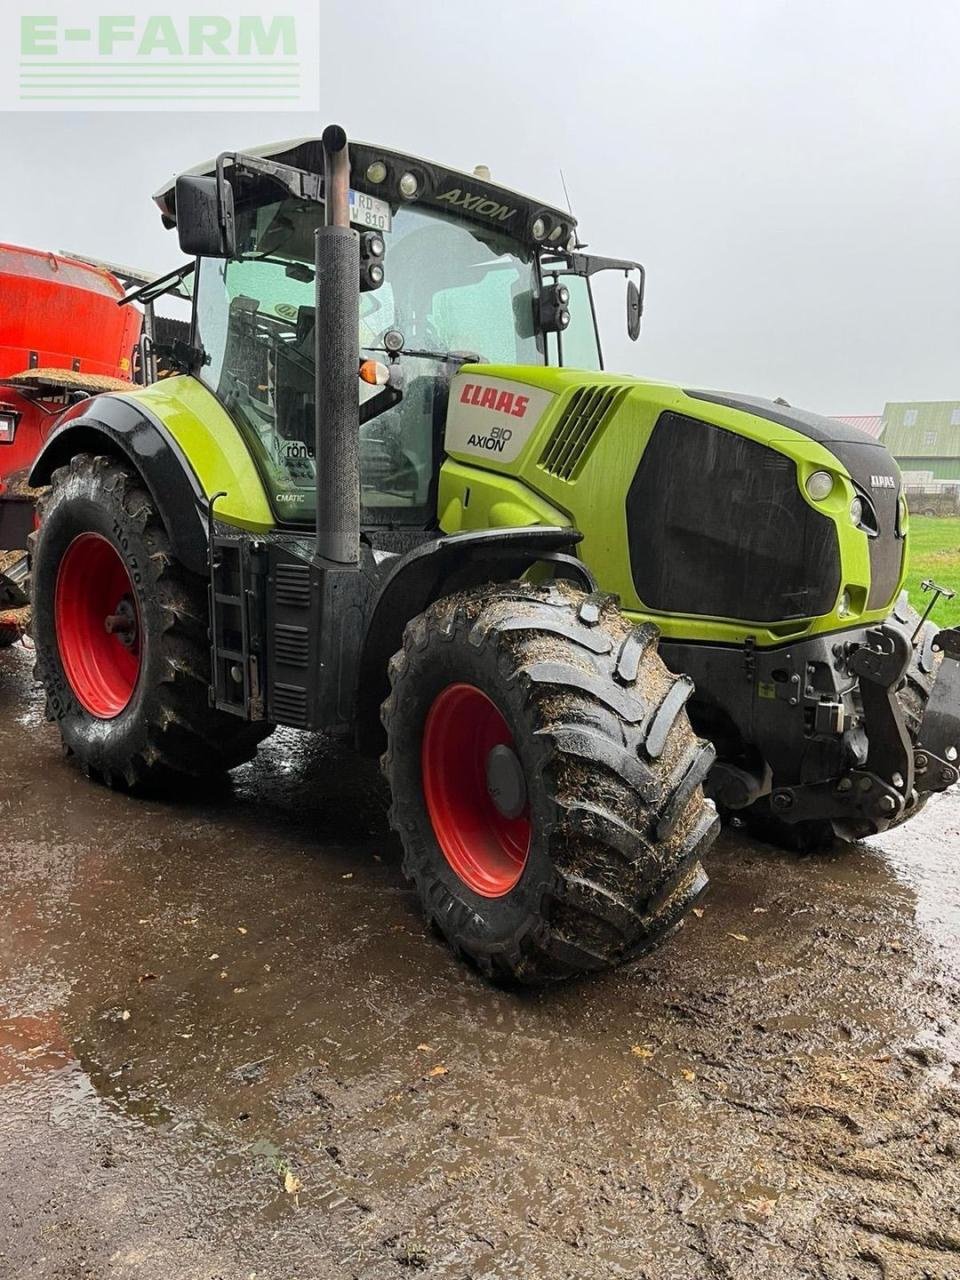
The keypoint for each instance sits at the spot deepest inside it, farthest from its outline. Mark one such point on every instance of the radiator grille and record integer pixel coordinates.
(570, 441)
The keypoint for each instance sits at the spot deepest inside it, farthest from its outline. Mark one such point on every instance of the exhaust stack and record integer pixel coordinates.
(337, 352)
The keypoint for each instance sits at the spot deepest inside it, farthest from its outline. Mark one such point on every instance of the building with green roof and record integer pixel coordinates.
(924, 437)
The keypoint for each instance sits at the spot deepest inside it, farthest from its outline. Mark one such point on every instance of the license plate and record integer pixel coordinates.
(368, 211)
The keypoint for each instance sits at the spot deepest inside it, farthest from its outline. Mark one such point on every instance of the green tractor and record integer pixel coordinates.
(390, 494)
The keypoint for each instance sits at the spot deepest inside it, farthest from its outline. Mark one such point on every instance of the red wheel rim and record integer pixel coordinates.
(486, 849)
(98, 625)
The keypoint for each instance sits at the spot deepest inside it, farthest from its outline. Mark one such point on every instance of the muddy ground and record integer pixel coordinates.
(229, 1049)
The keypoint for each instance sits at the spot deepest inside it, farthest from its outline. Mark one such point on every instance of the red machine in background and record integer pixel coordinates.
(62, 337)
(56, 314)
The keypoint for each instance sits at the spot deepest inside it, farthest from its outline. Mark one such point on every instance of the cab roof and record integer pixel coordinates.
(476, 199)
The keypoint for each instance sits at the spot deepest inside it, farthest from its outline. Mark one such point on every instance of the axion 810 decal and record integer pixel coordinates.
(492, 418)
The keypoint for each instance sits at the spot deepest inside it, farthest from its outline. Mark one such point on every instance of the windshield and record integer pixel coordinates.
(452, 289)
(448, 290)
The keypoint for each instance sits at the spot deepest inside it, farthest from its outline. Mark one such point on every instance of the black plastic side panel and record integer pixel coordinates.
(878, 477)
(717, 527)
(315, 614)
(292, 620)
(123, 428)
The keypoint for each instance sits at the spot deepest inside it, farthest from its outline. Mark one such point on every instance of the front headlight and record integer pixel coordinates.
(819, 485)
(856, 511)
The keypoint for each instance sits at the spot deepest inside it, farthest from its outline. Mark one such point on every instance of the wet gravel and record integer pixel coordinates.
(229, 1049)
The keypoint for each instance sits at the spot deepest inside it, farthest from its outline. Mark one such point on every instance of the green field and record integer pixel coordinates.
(935, 553)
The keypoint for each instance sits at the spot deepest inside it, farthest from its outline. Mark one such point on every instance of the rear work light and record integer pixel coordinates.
(8, 426)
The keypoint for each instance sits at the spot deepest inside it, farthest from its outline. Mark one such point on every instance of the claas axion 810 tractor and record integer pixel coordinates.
(391, 494)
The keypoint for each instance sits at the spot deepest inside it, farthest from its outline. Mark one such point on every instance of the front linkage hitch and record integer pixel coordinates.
(938, 742)
(870, 799)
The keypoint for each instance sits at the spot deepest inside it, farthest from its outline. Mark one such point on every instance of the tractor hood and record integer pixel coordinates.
(695, 506)
(812, 425)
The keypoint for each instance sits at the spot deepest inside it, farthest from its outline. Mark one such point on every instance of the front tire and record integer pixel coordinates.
(546, 783)
(120, 629)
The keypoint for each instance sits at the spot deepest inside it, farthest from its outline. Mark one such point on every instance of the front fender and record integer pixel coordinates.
(453, 562)
(123, 429)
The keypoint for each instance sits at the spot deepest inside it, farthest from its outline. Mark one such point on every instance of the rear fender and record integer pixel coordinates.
(123, 429)
(455, 562)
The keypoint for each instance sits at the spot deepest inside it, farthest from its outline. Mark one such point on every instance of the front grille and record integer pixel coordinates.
(717, 527)
(577, 428)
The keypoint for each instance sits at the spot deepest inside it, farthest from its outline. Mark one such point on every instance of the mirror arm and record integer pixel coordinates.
(296, 182)
(171, 283)
(588, 264)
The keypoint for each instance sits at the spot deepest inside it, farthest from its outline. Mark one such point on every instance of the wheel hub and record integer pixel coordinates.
(506, 785)
(123, 623)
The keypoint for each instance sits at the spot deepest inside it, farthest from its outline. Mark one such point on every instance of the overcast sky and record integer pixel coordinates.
(788, 170)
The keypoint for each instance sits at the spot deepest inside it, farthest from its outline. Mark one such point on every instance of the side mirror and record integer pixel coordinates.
(634, 310)
(205, 217)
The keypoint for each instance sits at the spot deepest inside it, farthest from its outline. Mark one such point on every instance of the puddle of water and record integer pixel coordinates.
(241, 985)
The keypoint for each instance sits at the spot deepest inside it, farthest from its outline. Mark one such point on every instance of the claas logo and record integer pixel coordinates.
(495, 399)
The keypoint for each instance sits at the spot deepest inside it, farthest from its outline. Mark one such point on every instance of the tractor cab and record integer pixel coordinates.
(453, 269)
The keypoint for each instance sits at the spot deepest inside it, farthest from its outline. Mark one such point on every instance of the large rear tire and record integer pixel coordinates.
(546, 783)
(120, 628)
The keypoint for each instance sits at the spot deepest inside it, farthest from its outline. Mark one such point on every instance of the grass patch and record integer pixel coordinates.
(935, 553)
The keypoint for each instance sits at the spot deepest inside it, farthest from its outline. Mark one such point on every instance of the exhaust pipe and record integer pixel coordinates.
(337, 353)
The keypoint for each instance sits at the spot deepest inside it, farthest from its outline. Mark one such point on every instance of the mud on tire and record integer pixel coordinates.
(167, 730)
(613, 778)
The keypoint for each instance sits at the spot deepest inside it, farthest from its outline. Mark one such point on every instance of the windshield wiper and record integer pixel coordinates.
(448, 357)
